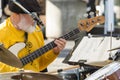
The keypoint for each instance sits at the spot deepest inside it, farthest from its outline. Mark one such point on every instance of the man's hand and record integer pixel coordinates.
(60, 45)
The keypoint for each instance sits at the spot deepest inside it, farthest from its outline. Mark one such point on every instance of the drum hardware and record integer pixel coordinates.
(8, 58)
(78, 72)
(86, 69)
(117, 56)
(72, 74)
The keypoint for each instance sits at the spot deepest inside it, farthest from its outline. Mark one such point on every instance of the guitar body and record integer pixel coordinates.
(16, 48)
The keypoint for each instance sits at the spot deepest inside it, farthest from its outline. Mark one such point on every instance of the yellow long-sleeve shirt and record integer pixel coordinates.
(9, 36)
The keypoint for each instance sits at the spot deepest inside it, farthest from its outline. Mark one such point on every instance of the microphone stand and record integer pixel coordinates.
(33, 14)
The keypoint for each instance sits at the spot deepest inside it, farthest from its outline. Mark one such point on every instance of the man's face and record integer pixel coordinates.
(26, 23)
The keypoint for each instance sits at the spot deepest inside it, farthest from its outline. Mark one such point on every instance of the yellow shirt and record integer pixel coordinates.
(9, 36)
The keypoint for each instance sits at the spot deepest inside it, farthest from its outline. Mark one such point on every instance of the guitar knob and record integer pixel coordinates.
(97, 12)
(81, 24)
(98, 19)
(85, 15)
(87, 24)
(91, 14)
(93, 21)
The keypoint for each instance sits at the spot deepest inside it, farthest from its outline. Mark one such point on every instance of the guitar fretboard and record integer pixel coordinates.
(32, 56)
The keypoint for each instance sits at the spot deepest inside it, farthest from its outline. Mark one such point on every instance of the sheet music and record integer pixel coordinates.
(94, 49)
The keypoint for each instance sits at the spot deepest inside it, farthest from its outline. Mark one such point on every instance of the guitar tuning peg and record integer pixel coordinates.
(97, 12)
(85, 15)
(91, 14)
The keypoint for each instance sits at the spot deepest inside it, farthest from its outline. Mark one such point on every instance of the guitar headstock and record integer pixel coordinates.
(88, 24)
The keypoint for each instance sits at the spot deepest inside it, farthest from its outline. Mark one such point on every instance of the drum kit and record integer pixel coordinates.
(110, 71)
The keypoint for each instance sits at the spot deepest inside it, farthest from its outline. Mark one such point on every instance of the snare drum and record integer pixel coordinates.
(108, 72)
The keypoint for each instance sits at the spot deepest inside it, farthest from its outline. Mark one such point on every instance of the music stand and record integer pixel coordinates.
(91, 50)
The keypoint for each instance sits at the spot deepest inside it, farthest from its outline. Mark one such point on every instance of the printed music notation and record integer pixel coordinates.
(94, 49)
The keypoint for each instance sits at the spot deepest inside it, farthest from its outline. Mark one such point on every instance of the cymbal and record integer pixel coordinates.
(28, 76)
(100, 63)
(9, 58)
(114, 49)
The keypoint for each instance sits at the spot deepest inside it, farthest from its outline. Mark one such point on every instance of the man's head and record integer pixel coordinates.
(20, 19)
(30, 5)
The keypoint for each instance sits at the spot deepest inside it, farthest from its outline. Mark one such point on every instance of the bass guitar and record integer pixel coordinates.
(83, 25)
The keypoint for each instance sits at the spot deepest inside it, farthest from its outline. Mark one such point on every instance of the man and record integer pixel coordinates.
(20, 27)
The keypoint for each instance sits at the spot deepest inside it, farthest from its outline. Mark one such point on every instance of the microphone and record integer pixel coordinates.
(33, 14)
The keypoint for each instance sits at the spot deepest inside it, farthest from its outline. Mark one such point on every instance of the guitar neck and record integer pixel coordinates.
(29, 58)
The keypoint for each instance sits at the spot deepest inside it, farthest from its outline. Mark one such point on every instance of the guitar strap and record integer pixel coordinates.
(27, 43)
(26, 37)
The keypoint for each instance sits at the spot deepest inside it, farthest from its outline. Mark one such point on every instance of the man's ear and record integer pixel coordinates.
(15, 18)
(7, 11)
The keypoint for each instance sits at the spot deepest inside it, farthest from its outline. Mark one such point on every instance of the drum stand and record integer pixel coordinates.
(86, 69)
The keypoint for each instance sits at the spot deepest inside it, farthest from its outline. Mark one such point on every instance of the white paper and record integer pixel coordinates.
(95, 49)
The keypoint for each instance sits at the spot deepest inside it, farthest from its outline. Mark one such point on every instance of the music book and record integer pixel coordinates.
(93, 49)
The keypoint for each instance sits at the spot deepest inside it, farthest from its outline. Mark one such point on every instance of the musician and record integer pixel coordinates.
(21, 28)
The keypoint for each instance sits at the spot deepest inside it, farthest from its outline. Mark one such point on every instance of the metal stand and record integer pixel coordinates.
(86, 69)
